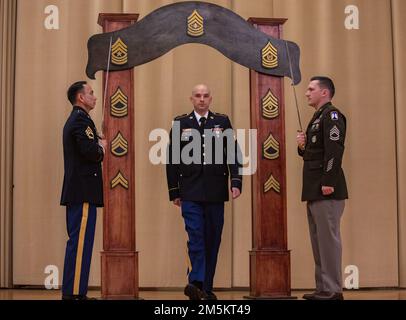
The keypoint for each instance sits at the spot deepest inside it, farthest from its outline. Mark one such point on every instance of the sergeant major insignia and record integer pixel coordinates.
(89, 133)
(195, 24)
(335, 134)
(119, 52)
(269, 56)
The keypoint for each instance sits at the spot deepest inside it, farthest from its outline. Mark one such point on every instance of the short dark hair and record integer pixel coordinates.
(326, 83)
(74, 89)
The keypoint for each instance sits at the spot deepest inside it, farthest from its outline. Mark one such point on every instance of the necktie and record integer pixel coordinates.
(202, 121)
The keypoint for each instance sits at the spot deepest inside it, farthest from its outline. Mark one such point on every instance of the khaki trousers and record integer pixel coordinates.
(324, 225)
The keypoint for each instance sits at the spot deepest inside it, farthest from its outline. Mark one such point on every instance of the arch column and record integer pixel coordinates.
(119, 260)
(269, 257)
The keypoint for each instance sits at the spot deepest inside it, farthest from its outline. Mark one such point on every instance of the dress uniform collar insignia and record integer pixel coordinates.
(192, 115)
(80, 109)
(321, 109)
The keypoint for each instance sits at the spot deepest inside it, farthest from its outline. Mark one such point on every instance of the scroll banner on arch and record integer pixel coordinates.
(193, 22)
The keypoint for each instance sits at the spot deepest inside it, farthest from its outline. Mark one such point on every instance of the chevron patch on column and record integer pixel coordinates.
(119, 180)
(271, 148)
(270, 106)
(119, 104)
(269, 56)
(119, 52)
(272, 183)
(119, 146)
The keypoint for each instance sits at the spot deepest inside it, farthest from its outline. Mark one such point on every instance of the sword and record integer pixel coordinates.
(293, 86)
(106, 83)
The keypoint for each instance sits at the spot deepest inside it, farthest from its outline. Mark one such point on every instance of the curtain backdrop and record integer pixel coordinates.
(399, 47)
(365, 65)
(8, 10)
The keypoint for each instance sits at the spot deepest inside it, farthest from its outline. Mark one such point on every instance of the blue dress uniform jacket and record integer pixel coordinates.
(82, 160)
(325, 136)
(205, 180)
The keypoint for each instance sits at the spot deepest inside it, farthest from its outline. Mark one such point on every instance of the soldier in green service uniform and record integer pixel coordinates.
(324, 186)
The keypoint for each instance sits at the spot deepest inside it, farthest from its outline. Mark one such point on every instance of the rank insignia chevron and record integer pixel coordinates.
(270, 106)
(119, 180)
(89, 133)
(271, 148)
(119, 146)
(195, 24)
(119, 104)
(272, 183)
(119, 53)
(269, 56)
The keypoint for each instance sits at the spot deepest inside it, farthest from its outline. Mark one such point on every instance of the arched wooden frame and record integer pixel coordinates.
(269, 257)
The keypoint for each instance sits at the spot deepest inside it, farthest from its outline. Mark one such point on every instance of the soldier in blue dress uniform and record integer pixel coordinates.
(82, 190)
(198, 171)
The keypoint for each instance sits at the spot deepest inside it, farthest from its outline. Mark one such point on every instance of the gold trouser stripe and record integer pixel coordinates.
(79, 252)
(188, 262)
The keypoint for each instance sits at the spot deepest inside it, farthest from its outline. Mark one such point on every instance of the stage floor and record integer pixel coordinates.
(42, 294)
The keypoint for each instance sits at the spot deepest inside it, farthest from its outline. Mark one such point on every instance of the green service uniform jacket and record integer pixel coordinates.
(323, 153)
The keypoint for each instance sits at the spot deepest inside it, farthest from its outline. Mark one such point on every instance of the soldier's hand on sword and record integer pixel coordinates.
(326, 190)
(177, 202)
(301, 139)
(103, 143)
(236, 192)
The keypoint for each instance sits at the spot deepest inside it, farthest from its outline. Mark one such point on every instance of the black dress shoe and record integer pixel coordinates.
(328, 296)
(209, 295)
(193, 292)
(76, 297)
(310, 296)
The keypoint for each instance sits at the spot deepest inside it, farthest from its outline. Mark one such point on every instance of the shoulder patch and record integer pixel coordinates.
(334, 115)
(181, 116)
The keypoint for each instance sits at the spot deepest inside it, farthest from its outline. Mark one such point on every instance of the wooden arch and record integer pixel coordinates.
(269, 257)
